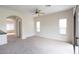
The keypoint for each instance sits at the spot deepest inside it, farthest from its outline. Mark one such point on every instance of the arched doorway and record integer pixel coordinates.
(14, 26)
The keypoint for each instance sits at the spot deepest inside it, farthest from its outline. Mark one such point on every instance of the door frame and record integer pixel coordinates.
(75, 20)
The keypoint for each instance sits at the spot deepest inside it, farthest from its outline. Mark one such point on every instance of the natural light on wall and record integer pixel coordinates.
(38, 26)
(62, 26)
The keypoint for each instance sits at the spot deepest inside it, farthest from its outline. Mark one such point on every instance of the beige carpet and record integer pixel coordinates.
(35, 45)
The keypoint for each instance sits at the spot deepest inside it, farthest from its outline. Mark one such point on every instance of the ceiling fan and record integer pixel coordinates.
(38, 12)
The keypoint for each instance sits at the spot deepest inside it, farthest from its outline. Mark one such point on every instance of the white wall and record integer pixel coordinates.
(28, 26)
(77, 22)
(27, 21)
(49, 25)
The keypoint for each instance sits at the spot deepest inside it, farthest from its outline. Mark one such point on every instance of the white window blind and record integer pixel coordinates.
(38, 26)
(10, 26)
(62, 26)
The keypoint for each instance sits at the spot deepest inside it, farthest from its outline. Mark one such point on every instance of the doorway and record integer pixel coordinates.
(14, 27)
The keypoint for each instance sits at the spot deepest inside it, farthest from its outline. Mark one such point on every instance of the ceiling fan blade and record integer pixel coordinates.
(37, 12)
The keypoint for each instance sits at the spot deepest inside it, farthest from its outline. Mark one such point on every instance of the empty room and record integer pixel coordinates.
(39, 29)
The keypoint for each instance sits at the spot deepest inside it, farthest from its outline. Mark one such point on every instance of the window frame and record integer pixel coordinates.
(63, 26)
(38, 26)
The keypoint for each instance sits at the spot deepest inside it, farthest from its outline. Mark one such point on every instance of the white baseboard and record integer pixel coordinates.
(27, 35)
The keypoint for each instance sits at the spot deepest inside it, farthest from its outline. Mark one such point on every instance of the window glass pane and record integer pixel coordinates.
(62, 26)
(63, 31)
(38, 26)
(10, 26)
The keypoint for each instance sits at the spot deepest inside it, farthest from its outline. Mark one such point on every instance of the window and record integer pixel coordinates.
(38, 26)
(62, 26)
(10, 26)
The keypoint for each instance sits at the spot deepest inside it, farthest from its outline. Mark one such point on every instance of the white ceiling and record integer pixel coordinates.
(44, 8)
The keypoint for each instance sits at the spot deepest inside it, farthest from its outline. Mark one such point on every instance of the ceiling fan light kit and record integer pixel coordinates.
(38, 12)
